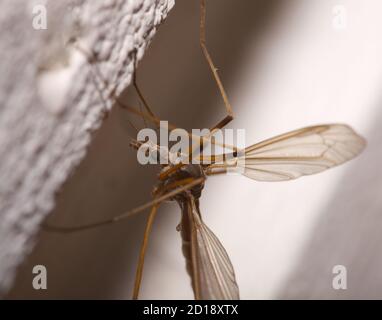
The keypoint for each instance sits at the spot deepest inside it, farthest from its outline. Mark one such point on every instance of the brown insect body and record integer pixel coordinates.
(186, 231)
(185, 201)
(184, 172)
(207, 262)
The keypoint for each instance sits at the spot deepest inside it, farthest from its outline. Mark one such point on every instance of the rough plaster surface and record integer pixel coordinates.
(49, 103)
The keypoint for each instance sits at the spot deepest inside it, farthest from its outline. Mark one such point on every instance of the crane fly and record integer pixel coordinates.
(288, 156)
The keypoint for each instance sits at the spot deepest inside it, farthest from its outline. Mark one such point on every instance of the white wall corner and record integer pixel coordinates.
(49, 102)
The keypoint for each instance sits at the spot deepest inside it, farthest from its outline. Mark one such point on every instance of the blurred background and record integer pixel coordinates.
(285, 64)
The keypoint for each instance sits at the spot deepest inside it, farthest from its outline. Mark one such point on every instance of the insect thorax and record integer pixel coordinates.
(188, 171)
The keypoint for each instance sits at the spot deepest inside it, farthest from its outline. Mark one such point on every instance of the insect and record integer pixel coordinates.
(288, 156)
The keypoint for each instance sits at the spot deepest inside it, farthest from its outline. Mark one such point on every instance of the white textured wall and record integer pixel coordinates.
(49, 106)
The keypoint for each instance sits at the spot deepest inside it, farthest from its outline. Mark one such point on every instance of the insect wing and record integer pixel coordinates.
(301, 152)
(215, 271)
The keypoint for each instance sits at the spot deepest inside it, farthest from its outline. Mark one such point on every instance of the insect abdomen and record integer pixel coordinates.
(186, 234)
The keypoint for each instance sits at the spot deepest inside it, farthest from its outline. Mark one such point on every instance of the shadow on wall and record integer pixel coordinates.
(348, 233)
(100, 263)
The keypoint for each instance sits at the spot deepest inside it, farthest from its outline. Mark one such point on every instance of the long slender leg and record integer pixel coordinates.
(141, 96)
(195, 151)
(150, 116)
(229, 117)
(138, 275)
(156, 121)
(92, 59)
(139, 92)
(127, 214)
(149, 224)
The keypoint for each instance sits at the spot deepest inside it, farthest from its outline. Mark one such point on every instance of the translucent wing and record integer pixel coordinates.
(301, 152)
(208, 263)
